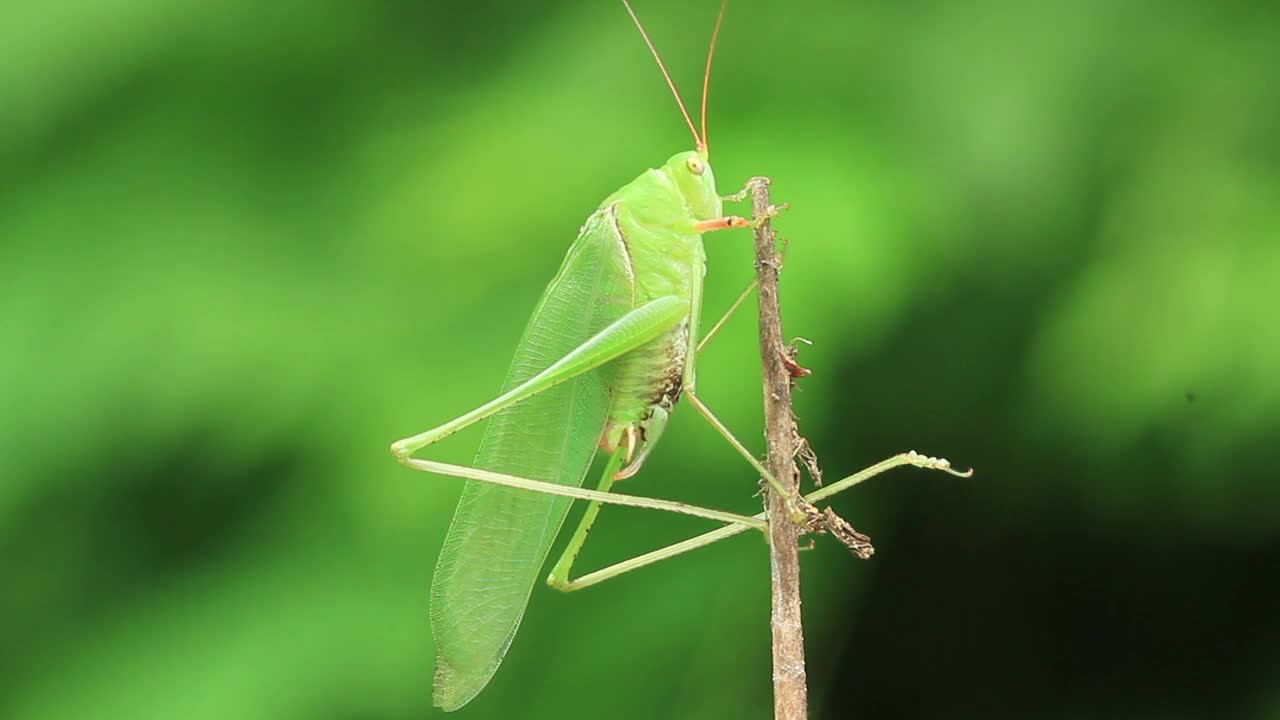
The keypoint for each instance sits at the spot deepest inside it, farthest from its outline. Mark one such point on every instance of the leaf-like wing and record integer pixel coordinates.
(500, 537)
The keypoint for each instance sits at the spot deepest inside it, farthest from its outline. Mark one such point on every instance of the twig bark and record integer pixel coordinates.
(790, 687)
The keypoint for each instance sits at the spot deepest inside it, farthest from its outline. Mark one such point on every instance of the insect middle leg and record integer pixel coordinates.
(755, 463)
(773, 210)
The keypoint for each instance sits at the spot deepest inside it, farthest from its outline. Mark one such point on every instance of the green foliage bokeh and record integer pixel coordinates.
(243, 247)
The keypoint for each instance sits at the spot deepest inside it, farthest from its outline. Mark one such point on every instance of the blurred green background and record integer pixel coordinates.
(244, 246)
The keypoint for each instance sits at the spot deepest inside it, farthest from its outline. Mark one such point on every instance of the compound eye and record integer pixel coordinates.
(695, 165)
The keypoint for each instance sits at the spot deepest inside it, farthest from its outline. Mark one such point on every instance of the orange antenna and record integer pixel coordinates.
(702, 146)
(706, 78)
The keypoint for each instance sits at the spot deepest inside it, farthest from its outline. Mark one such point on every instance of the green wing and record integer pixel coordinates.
(500, 537)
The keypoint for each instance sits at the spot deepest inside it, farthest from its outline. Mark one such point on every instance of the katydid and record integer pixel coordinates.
(609, 350)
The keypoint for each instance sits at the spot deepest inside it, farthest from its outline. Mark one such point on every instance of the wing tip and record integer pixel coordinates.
(448, 694)
(452, 689)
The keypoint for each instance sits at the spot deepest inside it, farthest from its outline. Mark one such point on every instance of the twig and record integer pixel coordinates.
(790, 689)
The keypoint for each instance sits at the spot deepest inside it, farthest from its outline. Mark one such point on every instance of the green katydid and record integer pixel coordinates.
(610, 348)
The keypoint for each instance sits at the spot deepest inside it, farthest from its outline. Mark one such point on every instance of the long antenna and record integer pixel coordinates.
(706, 78)
(702, 146)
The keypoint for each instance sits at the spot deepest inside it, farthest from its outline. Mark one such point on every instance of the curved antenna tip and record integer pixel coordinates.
(698, 141)
(706, 76)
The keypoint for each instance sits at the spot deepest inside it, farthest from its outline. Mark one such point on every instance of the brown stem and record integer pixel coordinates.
(790, 691)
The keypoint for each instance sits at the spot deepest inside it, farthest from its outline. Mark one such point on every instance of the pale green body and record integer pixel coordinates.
(640, 248)
(610, 347)
(654, 218)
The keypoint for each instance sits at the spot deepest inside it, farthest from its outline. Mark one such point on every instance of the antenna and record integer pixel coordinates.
(701, 145)
(706, 78)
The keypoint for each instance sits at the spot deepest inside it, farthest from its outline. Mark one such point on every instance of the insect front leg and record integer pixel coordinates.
(745, 192)
(722, 223)
(737, 221)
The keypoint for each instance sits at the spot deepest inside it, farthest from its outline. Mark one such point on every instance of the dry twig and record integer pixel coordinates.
(790, 689)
